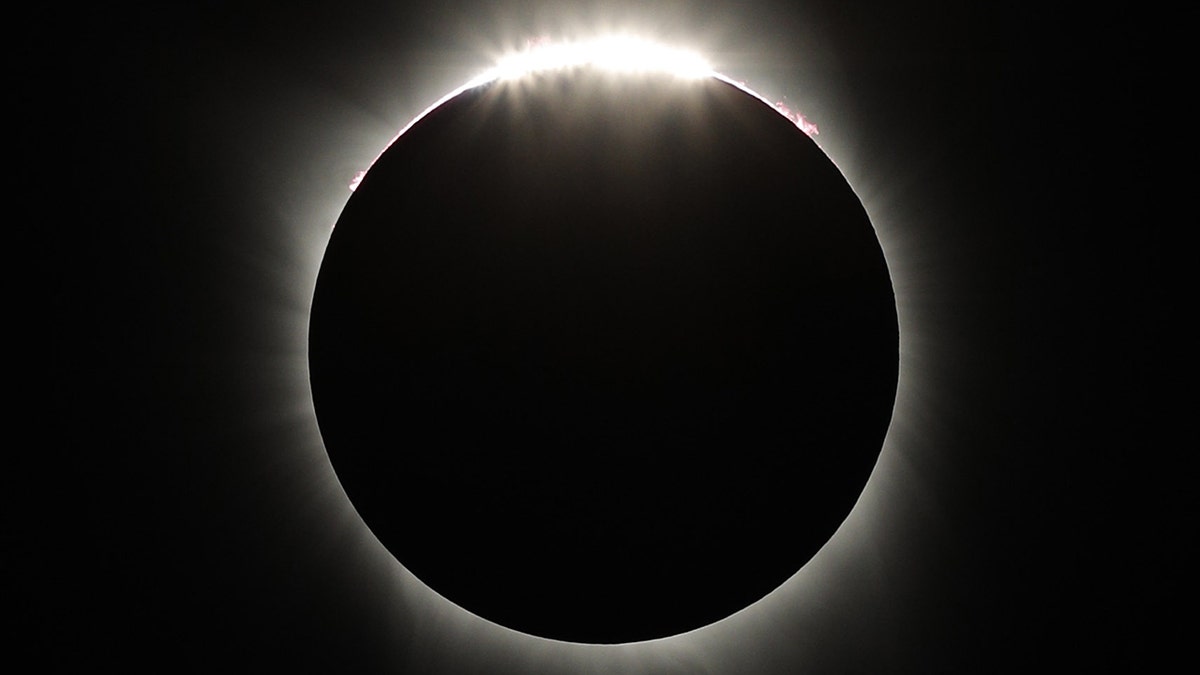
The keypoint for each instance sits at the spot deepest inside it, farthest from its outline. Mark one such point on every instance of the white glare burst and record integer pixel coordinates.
(617, 53)
(614, 53)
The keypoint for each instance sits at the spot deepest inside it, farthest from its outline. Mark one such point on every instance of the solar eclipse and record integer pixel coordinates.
(603, 353)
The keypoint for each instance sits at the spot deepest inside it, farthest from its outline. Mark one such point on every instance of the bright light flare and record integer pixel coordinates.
(616, 53)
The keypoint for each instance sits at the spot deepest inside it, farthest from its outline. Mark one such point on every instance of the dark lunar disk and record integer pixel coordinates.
(603, 358)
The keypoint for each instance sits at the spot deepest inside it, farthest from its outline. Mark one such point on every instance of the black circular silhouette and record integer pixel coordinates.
(603, 358)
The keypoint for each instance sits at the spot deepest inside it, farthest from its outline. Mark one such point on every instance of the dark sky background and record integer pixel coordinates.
(178, 512)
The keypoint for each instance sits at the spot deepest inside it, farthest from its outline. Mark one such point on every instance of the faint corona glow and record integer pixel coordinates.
(613, 53)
